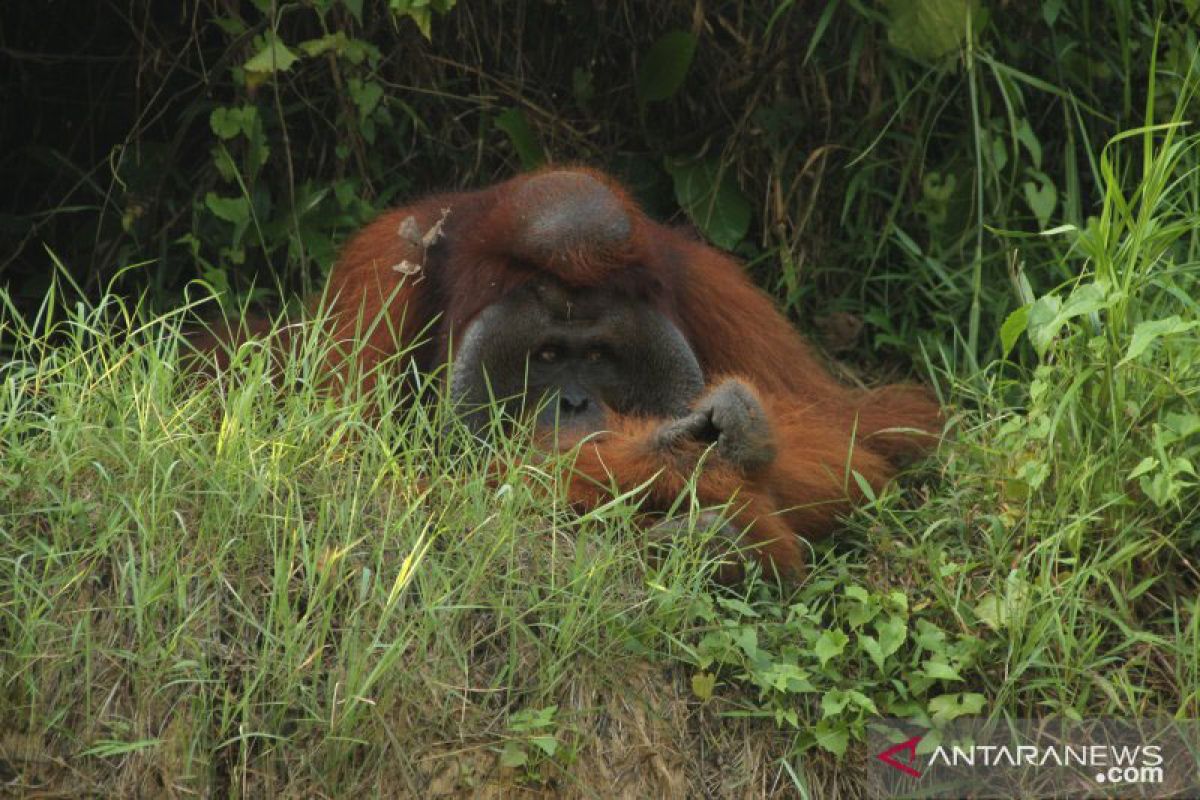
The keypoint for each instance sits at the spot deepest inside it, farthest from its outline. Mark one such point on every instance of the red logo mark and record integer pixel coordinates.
(909, 747)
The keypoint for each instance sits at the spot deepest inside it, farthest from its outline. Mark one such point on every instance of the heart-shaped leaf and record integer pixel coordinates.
(1042, 197)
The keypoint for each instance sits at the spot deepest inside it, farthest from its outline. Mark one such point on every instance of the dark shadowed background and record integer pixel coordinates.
(850, 151)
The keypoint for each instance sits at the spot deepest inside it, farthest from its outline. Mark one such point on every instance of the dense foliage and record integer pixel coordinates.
(863, 158)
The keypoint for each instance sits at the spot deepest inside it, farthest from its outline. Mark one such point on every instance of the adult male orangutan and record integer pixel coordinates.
(651, 347)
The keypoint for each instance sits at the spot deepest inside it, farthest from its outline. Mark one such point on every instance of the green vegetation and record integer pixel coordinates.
(212, 586)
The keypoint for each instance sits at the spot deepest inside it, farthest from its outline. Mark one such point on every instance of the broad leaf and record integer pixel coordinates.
(871, 647)
(949, 707)
(892, 634)
(664, 68)
(940, 670)
(832, 736)
(830, 643)
(230, 209)
(1041, 319)
(703, 684)
(273, 57)
(513, 755)
(930, 29)
(524, 141)
(1041, 196)
(1146, 333)
(1014, 325)
(1048, 314)
(712, 199)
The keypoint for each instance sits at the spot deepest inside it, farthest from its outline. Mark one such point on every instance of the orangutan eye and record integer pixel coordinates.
(547, 355)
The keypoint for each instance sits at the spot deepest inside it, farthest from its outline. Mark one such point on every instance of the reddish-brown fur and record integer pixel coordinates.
(823, 429)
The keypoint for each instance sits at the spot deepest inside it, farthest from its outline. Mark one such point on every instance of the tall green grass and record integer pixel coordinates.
(219, 584)
(243, 583)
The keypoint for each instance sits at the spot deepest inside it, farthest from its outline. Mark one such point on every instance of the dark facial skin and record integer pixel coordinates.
(585, 350)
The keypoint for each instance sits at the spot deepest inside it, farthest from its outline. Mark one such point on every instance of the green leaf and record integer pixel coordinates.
(930, 637)
(356, 51)
(746, 638)
(228, 123)
(1041, 196)
(1084, 299)
(513, 755)
(856, 592)
(531, 719)
(927, 30)
(664, 68)
(833, 702)
(366, 96)
(703, 684)
(992, 611)
(871, 647)
(1028, 138)
(223, 123)
(547, 744)
(524, 141)
(862, 701)
(830, 643)
(863, 486)
(1014, 325)
(315, 47)
(273, 57)
(1002, 610)
(832, 736)
(738, 607)
(1182, 425)
(355, 9)
(712, 199)
(937, 188)
(784, 677)
(1144, 466)
(940, 670)
(1146, 333)
(224, 163)
(892, 634)
(948, 707)
(999, 152)
(1042, 322)
(861, 613)
(416, 10)
(1048, 314)
(230, 209)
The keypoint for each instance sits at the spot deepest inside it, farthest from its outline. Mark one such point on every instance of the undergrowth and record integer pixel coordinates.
(216, 584)
(247, 585)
